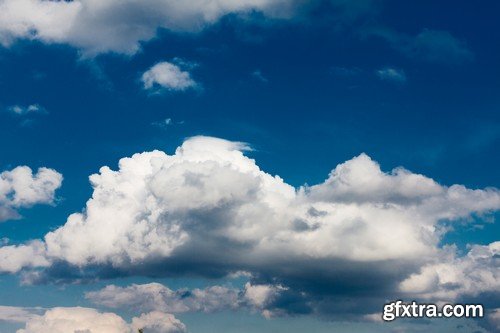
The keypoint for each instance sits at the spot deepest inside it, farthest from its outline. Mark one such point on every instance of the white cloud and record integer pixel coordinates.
(157, 297)
(168, 76)
(66, 320)
(209, 210)
(158, 322)
(257, 74)
(451, 277)
(262, 296)
(15, 257)
(391, 74)
(21, 188)
(435, 46)
(118, 26)
(18, 314)
(23, 110)
(85, 320)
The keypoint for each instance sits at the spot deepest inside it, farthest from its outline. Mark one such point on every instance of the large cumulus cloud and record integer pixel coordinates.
(209, 210)
(209, 198)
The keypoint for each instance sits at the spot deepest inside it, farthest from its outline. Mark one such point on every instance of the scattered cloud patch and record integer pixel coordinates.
(167, 122)
(453, 277)
(25, 110)
(20, 188)
(163, 123)
(257, 75)
(166, 75)
(391, 74)
(158, 322)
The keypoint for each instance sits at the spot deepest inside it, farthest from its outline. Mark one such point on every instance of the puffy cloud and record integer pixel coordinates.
(155, 296)
(209, 210)
(452, 277)
(15, 257)
(209, 195)
(65, 320)
(158, 322)
(21, 188)
(102, 26)
(87, 320)
(118, 26)
(168, 76)
(260, 295)
(391, 74)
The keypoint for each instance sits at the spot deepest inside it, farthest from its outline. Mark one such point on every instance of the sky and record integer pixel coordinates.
(247, 165)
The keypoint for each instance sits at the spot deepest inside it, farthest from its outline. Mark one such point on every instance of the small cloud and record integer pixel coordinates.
(391, 74)
(166, 123)
(434, 46)
(169, 76)
(346, 71)
(257, 74)
(24, 110)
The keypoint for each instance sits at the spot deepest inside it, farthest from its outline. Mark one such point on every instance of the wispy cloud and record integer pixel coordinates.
(86, 320)
(391, 74)
(257, 75)
(27, 109)
(348, 72)
(167, 122)
(20, 187)
(436, 46)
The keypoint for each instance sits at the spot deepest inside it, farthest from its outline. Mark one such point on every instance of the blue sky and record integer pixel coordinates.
(307, 85)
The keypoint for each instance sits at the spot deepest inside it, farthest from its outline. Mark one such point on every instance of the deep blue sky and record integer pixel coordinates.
(318, 101)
